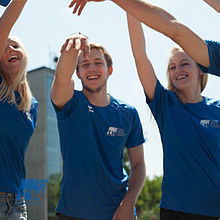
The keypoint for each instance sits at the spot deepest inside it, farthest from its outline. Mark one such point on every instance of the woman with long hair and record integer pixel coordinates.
(18, 113)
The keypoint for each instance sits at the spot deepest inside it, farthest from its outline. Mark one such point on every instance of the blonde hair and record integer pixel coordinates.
(204, 77)
(97, 46)
(20, 84)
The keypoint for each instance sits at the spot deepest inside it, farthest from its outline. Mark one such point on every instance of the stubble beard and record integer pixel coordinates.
(93, 91)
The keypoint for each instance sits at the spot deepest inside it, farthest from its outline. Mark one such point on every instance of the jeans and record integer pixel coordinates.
(12, 208)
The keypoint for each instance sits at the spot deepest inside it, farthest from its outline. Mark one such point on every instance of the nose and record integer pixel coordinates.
(91, 66)
(179, 67)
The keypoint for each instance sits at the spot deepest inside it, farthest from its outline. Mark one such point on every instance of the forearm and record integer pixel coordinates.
(10, 16)
(136, 182)
(7, 21)
(63, 85)
(144, 67)
(214, 4)
(66, 65)
(136, 37)
(151, 15)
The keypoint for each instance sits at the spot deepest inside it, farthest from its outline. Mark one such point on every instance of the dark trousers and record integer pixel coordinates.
(166, 214)
(64, 217)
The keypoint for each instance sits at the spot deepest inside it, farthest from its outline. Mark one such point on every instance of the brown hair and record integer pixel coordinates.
(97, 46)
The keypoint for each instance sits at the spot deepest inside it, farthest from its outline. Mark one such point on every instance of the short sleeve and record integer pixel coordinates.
(159, 102)
(69, 107)
(214, 58)
(136, 136)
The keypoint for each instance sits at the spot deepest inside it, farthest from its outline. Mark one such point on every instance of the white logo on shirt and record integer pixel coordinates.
(90, 108)
(210, 123)
(112, 131)
(205, 123)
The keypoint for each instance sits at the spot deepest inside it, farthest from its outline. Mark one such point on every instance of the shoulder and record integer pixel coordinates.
(212, 43)
(119, 104)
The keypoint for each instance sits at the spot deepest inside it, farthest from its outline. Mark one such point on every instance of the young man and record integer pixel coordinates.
(94, 127)
(206, 53)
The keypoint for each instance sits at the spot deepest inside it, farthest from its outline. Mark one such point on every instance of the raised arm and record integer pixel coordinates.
(63, 84)
(136, 181)
(7, 21)
(145, 70)
(160, 20)
(214, 4)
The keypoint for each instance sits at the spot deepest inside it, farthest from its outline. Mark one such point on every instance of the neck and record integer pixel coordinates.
(189, 96)
(100, 99)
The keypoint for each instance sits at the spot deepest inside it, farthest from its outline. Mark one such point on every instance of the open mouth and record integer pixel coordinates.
(13, 58)
(93, 77)
(181, 77)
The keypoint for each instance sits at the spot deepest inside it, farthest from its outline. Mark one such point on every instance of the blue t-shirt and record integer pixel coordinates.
(92, 140)
(190, 135)
(16, 128)
(214, 58)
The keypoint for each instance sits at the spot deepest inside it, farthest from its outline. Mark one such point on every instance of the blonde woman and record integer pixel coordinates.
(189, 125)
(18, 112)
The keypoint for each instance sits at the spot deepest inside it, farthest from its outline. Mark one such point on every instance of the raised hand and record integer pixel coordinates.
(80, 4)
(76, 41)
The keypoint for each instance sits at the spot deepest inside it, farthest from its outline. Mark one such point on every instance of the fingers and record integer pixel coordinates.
(79, 5)
(77, 42)
(85, 46)
(72, 3)
(69, 44)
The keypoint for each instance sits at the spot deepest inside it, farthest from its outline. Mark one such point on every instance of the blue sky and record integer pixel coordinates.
(45, 24)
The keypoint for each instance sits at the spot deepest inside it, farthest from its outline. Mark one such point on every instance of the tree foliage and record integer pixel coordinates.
(53, 188)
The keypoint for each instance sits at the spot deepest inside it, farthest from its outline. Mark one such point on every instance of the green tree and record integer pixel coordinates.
(53, 188)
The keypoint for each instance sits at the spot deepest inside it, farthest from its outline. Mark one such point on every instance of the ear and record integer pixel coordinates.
(110, 70)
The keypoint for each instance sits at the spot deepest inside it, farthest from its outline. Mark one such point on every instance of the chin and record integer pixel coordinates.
(92, 90)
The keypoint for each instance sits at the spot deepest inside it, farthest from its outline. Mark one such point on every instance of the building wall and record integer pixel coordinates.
(44, 144)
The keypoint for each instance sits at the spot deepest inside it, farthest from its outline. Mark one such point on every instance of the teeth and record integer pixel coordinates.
(181, 77)
(93, 77)
(12, 57)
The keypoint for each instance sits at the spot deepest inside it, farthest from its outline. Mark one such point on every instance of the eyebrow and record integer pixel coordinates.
(180, 61)
(86, 60)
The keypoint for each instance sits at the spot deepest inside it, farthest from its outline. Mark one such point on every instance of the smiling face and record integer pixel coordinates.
(11, 60)
(93, 71)
(183, 72)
